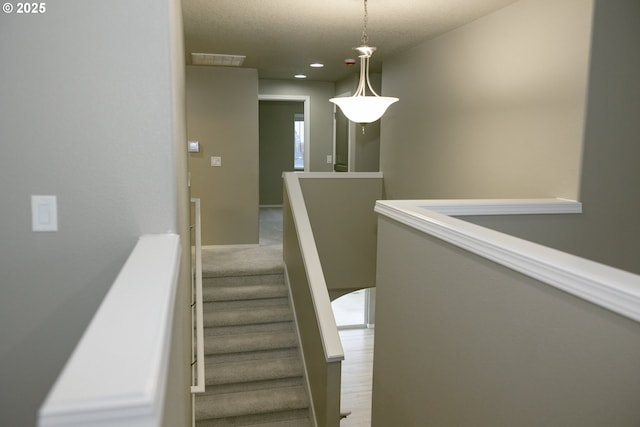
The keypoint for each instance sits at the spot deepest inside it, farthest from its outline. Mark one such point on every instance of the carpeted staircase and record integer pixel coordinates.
(254, 373)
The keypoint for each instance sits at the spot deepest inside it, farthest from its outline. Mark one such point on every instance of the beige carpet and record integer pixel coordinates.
(254, 374)
(223, 261)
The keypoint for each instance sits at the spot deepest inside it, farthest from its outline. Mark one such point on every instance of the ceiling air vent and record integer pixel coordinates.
(217, 59)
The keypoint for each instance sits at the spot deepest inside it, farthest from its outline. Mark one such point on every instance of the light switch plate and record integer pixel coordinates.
(216, 161)
(44, 213)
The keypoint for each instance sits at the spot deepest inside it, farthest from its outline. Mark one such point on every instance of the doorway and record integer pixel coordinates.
(283, 142)
(294, 156)
(343, 146)
(281, 146)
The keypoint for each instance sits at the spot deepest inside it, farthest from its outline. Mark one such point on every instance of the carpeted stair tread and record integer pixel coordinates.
(254, 374)
(239, 292)
(260, 385)
(251, 402)
(243, 280)
(252, 370)
(284, 353)
(292, 418)
(247, 316)
(249, 329)
(244, 271)
(221, 261)
(288, 423)
(245, 303)
(250, 342)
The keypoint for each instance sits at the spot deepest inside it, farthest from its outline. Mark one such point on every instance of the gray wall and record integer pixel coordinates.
(86, 119)
(276, 146)
(222, 114)
(608, 229)
(492, 109)
(321, 121)
(177, 409)
(461, 341)
(507, 349)
(566, 136)
(344, 227)
(610, 170)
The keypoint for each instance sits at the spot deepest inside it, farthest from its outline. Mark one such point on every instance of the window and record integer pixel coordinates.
(298, 145)
(353, 310)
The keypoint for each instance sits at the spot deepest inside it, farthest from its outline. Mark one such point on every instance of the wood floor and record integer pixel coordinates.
(357, 370)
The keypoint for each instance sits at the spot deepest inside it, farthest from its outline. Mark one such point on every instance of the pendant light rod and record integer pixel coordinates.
(365, 37)
(365, 54)
(359, 107)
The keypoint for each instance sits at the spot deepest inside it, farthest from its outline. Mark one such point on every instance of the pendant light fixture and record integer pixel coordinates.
(363, 108)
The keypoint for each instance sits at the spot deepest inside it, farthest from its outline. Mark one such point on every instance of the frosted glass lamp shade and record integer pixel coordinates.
(363, 109)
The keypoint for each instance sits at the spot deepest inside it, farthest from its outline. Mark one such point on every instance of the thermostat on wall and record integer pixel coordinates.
(193, 147)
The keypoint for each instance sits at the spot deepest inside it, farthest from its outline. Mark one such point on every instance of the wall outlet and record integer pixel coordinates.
(216, 161)
(329, 159)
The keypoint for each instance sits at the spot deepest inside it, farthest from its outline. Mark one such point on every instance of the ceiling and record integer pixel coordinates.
(282, 37)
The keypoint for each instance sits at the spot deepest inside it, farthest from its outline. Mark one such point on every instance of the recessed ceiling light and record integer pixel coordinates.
(316, 65)
(300, 76)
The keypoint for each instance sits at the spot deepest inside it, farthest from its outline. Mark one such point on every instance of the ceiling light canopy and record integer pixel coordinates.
(363, 108)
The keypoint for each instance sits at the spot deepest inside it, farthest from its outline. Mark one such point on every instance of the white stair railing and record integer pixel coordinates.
(321, 347)
(197, 352)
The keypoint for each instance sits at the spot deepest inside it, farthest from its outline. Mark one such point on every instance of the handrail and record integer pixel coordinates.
(199, 385)
(608, 287)
(332, 345)
(117, 373)
(337, 175)
(463, 207)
